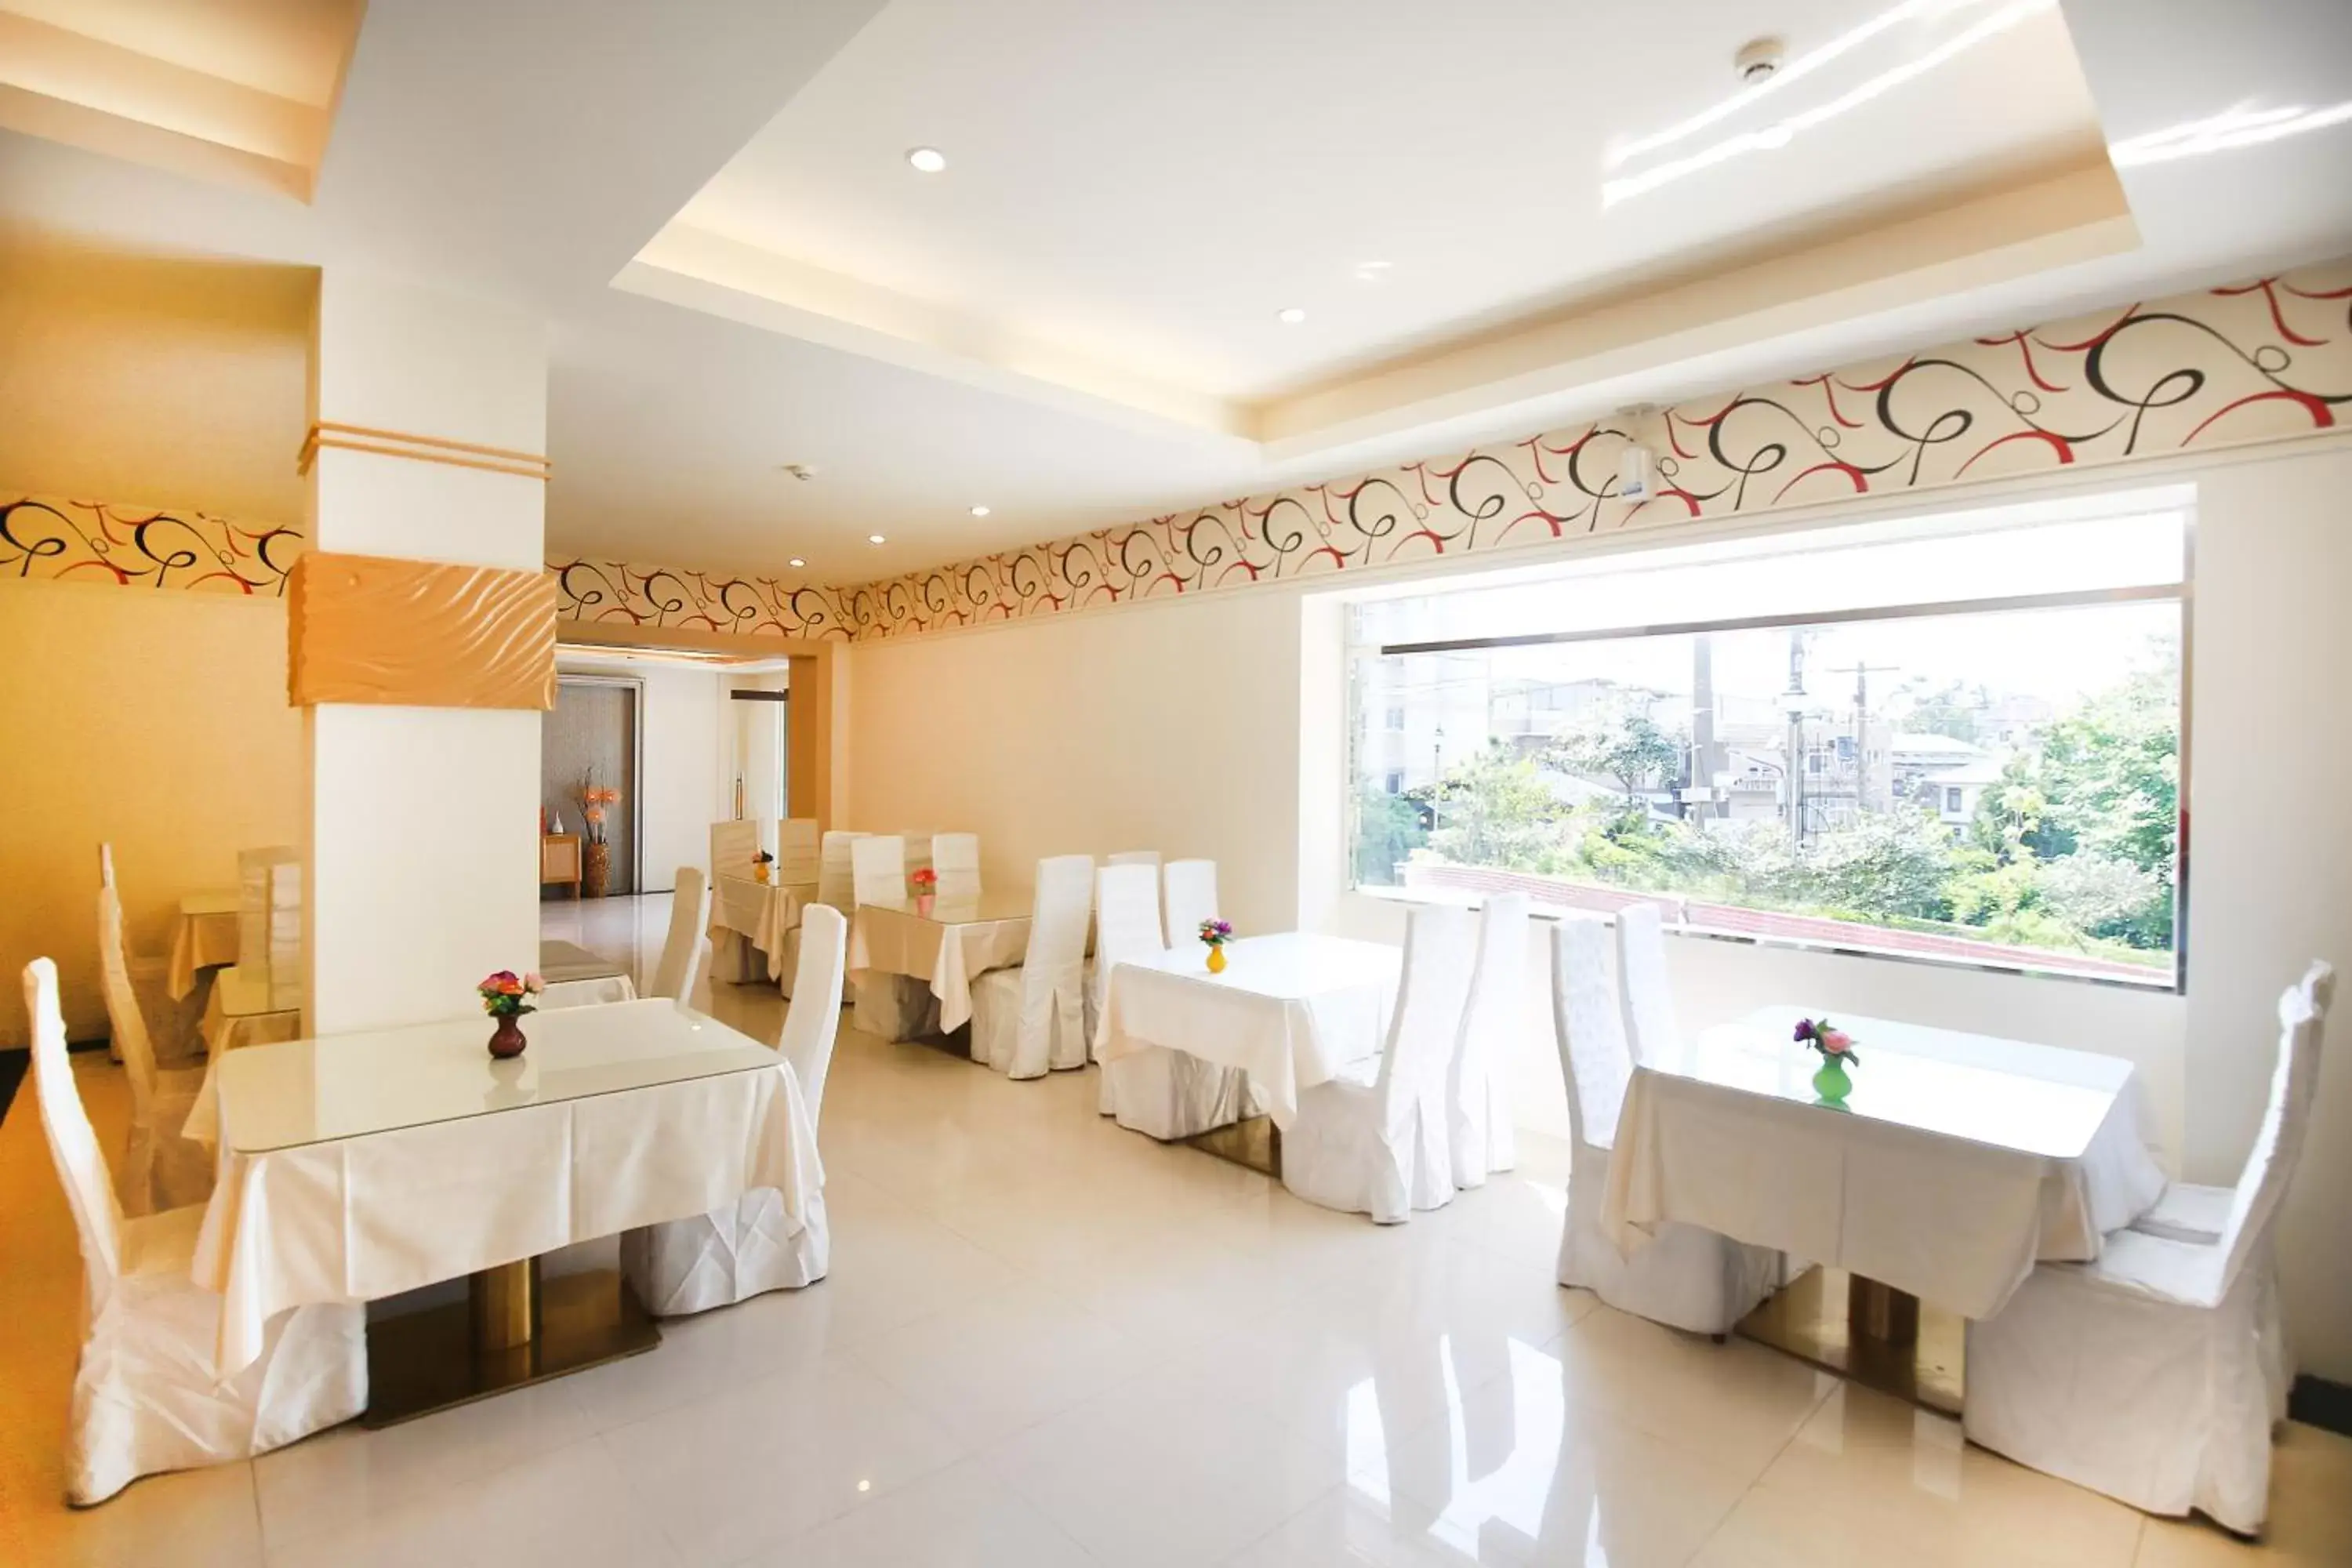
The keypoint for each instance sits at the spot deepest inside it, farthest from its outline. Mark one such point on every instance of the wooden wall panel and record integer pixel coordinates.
(419, 633)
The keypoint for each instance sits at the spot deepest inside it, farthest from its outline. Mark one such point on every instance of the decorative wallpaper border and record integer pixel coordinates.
(78, 540)
(2252, 362)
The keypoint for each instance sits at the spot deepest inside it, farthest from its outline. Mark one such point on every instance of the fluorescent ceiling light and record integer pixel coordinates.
(927, 160)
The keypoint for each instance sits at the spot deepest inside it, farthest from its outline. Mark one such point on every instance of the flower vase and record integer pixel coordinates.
(1216, 958)
(507, 1040)
(1830, 1083)
(595, 869)
(759, 871)
(923, 905)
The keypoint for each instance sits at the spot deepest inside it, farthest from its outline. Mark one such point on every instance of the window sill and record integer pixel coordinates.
(2157, 983)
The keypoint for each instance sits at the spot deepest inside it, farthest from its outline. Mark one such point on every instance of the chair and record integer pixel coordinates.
(878, 869)
(1479, 1136)
(172, 1021)
(955, 856)
(1686, 1277)
(734, 847)
(1030, 1020)
(743, 1249)
(836, 887)
(1133, 857)
(796, 849)
(161, 1170)
(686, 951)
(1644, 992)
(1160, 1092)
(1188, 895)
(1377, 1146)
(144, 1397)
(2142, 1374)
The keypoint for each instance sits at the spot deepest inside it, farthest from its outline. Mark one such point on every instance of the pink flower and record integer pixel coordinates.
(532, 984)
(1836, 1042)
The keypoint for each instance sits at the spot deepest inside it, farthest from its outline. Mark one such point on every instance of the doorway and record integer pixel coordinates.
(594, 731)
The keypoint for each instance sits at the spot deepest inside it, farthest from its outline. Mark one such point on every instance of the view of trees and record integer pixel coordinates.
(2072, 849)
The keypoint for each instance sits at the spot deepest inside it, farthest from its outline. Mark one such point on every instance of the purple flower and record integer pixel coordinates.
(1804, 1029)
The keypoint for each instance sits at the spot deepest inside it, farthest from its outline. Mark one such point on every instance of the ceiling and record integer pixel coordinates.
(1075, 324)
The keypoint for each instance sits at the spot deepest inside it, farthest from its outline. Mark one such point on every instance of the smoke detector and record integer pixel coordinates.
(800, 471)
(1759, 60)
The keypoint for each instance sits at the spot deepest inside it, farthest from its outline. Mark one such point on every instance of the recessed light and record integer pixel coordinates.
(979, 511)
(875, 539)
(796, 561)
(927, 160)
(1291, 316)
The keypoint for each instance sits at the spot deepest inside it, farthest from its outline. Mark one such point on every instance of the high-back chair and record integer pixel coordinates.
(877, 865)
(1480, 1138)
(1685, 1277)
(747, 1247)
(1188, 895)
(1132, 858)
(1127, 925)
(144, 1398)
(161, 1169)
(1378, 1147)
(955, 858)
(796, 850)
(685, 954)
(734, 847)
(2149, 1374)
(1644, 992)
(836, 882)
(151, 974)
(1028, 1021)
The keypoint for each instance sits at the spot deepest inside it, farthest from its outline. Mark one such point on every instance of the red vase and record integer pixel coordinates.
(507, 1040)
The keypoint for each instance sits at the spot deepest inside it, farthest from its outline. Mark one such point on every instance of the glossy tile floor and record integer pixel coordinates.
(1049, 1343)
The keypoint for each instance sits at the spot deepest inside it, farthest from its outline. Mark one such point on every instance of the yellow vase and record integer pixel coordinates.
(1216, 959)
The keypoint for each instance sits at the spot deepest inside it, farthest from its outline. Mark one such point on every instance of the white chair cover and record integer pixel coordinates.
(172, 1032)
(955, 856)
(2143, 1375)
(1188, 895)
(1380, 1147)
(683, 960)
(837, 881)
(1158, 1091)
(796, 849)
(877, 864)
(750, 1246)
(161, 1169)
(734, 846)
(1480, 1135)
(1030, 1020)
(1644, 991)
(144, 1397)
(1687, 1278)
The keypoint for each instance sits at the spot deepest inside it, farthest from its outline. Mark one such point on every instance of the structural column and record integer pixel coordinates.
(423, 683)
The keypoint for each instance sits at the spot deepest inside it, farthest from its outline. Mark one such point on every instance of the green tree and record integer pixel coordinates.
(1952, 710)
(1494, 810)
(1620, 740)
(1388, 830)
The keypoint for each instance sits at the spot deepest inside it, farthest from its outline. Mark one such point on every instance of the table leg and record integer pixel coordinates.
(1880, 1313)
(1869, 1331)
(503, 1304)
(512, 1329)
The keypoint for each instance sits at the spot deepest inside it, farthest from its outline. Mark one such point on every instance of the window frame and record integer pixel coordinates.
(2180, 504)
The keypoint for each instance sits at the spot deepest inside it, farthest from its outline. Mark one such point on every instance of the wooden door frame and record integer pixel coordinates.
(815, 763)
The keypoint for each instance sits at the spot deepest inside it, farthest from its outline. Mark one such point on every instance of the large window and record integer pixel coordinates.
(1957, 739)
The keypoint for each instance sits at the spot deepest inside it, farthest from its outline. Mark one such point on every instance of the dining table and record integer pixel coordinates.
(203, 936)
(359, 1166)
(946, 942)
(751, 916)
(1954, 1164)
(242, 1011)
(1290, 1008)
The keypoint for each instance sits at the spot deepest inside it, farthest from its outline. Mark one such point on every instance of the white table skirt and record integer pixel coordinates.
(224, 1031)
(358, 1218)
(760, 912)
(1290, 1010)
(946, 953)
(1958, 1218)
(203, 936)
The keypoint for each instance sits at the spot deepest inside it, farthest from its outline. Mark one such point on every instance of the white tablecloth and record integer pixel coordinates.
(582, 1137)
(1960, 1161)
(1290, 1010)
(758, 913)
(953, 943)
(203, 936)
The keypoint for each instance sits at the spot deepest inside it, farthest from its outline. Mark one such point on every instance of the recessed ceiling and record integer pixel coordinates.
(1203, 211)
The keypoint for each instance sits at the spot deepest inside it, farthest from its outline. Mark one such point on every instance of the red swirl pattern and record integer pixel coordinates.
(78, 540)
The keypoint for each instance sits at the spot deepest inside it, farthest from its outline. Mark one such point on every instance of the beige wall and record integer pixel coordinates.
(157, 720)
(1179, 725)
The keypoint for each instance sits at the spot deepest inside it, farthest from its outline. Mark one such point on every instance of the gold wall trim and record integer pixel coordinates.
(419, 633)
(424, 449)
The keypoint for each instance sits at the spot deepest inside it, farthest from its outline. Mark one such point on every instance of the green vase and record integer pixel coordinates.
(1830, 1083)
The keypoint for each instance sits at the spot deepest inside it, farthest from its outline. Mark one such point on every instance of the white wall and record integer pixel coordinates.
(1179, 724)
